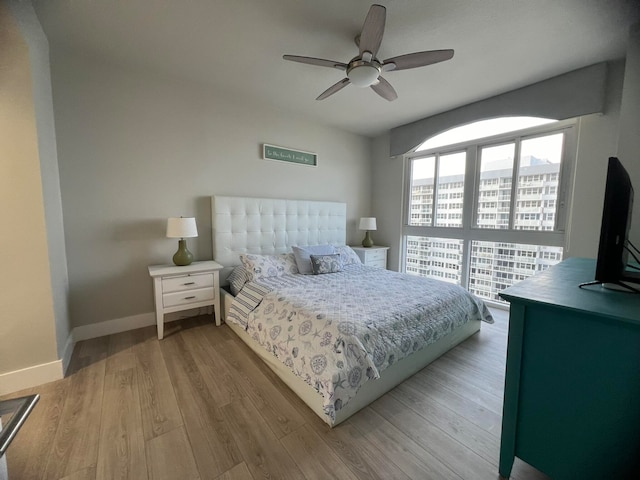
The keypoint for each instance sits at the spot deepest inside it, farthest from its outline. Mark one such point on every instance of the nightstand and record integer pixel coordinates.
(372, 256)
(181, 288)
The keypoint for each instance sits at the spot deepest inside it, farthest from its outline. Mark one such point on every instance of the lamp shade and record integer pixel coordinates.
(368, 223)
(181, 227)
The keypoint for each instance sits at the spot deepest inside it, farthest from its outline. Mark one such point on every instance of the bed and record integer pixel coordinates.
(344, 336)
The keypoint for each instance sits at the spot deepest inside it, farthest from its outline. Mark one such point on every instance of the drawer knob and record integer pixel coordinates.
(189, 283)
(189, 298)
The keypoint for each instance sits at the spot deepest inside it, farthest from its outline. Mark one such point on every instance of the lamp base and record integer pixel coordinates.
(183, 256)
(367, 242)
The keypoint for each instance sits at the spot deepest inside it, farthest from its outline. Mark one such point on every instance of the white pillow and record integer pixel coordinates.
(347, 255)
(303, 256)
(262, 266)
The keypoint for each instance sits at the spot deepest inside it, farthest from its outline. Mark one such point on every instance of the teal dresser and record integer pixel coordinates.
(572, 384)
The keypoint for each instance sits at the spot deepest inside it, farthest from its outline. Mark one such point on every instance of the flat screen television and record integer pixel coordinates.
(613, 250)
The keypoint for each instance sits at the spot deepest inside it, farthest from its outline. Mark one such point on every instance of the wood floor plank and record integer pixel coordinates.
(364, 459)
(316, 460)
(461, 404)
(459, 384)
(214, 370)
(456, 426)
(267, 398)
(472, 375)
(88, 473)
(30, 449)
(263, 453)
(488, 369)
(414, 460)
(460, 459)
(239, 472)
(121, 453)
(169, 457)
(120, 352)
(77, 437)
(158, 404)
(214, 449)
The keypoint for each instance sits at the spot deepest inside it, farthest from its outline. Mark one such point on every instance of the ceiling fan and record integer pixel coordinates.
(364, 70)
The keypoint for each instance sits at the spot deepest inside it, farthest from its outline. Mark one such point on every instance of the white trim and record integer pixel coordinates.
(117, 325)
(30, 377)
(67, 352)
(109, 327)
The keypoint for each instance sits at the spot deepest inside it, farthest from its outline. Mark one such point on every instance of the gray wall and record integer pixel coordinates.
(597, 141)
(135, 148)
(629, 136)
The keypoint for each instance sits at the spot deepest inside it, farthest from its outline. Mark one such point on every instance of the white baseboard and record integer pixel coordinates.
(48, 372)
(109, 327)
(30, 377)
(117, 325)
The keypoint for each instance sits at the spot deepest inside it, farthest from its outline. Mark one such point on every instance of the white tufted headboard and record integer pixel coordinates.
(268, 225)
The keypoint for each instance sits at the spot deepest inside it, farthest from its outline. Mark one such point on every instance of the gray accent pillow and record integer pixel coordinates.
(326, 263)
(302, 255)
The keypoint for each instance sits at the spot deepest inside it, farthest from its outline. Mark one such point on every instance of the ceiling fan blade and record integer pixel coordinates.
(372, 30)
(334, 88)
(417, 59)
(316, 61)
(384, 89)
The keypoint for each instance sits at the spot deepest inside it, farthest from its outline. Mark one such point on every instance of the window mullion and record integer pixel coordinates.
(469, 209)
(436, 190)
(514, 183)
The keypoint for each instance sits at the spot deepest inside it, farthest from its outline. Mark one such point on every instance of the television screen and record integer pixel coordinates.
(616, 220)
(611, 266)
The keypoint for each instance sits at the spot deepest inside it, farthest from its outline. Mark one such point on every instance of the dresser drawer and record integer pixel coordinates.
(184, 298)
(187, 282)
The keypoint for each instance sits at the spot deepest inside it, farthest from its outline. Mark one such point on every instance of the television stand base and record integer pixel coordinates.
(618, 286)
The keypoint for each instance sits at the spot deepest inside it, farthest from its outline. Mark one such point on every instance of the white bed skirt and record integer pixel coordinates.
(371, 390)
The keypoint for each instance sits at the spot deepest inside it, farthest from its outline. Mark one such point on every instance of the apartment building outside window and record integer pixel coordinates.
(488, 213)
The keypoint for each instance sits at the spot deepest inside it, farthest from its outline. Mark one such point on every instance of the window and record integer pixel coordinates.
(498, 226)
(444, 260)
(449, 170)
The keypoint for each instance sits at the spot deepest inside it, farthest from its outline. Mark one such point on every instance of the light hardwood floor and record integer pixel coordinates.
(200, 405)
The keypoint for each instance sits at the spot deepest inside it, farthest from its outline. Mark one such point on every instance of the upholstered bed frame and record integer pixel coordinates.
(267, 226)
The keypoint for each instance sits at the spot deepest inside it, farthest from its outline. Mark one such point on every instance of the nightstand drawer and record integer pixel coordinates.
(381, 263)
(376, 255)
(187, 282)
(186, 297)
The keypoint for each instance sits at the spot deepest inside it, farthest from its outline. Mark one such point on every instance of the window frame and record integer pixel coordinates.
(469, 230)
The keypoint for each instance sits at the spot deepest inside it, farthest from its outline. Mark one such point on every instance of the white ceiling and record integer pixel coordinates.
(236, 47)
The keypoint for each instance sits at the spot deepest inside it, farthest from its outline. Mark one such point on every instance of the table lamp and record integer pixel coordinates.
(182, 228)
(368, 224)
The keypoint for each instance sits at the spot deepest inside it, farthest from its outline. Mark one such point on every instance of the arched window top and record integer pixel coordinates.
(481, 129)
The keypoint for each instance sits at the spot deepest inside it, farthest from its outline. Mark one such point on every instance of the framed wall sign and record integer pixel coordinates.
(272, 152)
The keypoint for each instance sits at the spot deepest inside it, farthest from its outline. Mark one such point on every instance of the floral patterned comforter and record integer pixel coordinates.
(339, 330)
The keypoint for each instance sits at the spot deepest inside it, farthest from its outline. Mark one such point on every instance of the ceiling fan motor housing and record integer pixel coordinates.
(364, 74)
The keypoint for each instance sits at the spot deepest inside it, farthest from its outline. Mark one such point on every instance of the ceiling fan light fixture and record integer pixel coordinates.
(363, 75)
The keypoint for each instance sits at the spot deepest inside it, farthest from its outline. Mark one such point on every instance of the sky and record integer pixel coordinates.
(548, 147)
